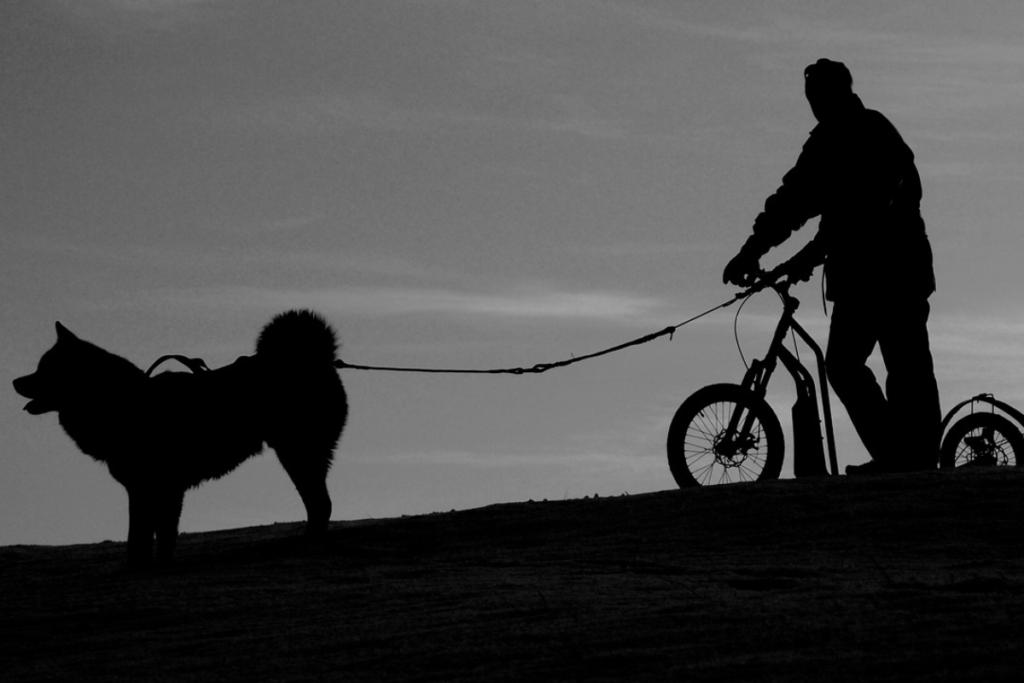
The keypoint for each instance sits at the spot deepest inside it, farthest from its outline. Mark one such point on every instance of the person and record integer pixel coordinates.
(856, 173)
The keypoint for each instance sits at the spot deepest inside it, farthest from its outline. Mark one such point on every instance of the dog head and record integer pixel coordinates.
(44, 387)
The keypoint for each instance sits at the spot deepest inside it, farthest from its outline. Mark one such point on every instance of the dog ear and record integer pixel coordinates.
(64, 333)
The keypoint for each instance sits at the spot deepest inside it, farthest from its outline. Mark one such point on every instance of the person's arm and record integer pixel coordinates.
(796, 201)
(801, 266)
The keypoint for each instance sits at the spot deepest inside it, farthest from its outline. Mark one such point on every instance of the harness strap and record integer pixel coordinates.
(196, 365)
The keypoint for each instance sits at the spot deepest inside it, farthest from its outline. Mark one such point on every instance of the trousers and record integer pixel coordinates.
(900, 426)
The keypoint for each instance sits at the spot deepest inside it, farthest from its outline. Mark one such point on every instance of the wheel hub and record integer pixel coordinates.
(983, 447)
(731, 449)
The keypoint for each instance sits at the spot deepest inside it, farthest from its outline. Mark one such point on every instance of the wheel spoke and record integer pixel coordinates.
(706, 429)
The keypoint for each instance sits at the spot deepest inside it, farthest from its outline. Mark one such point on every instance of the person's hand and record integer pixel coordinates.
(797, 269)
(742, 270)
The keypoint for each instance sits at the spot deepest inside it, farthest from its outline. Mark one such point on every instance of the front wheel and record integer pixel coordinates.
(982, 439)
(702, 450)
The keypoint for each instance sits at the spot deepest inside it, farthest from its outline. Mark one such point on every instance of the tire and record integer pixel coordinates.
(982, 439)
(698, 427)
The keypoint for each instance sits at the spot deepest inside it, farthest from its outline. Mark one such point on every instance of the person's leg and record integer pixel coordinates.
(910, 386)
(851, 340)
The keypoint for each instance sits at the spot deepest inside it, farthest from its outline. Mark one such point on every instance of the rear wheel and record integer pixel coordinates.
(982, 439)
(701, 449)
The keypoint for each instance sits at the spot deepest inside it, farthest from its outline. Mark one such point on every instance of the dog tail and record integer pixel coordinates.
(298, 338)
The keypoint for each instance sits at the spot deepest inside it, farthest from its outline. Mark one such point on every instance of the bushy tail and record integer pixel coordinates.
(302, 402)
(298, 338)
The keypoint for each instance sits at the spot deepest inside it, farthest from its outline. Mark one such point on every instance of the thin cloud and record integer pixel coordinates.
(153, 5)
(781, 29)
(525, 303)
(649, 249)
(321, 114)
(121, 19)
(575, 115)
(989, 338)
(965, 73)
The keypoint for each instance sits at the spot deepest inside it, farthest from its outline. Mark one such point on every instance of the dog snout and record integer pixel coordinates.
(25, 386)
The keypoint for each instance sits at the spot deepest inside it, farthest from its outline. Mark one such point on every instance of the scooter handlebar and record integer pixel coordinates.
(778, 279)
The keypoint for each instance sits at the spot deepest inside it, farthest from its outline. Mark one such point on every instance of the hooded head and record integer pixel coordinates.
(829, 89)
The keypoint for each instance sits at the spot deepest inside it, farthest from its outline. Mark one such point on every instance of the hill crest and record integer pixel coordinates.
(915, 577)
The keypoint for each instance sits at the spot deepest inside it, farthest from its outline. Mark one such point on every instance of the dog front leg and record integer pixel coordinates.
(141, 527)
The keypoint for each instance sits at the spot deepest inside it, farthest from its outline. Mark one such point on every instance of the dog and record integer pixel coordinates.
(162, 435)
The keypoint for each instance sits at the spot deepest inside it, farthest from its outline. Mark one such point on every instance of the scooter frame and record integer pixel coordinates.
(807, 420)
(723, 428)
(983, 398)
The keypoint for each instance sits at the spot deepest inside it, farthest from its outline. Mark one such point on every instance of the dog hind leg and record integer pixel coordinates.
(309, 474)
(168, 513)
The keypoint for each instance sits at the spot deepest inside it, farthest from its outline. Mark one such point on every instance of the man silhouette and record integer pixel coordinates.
(858, 175)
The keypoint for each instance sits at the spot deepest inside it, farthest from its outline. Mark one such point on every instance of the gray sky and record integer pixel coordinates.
(470, 184)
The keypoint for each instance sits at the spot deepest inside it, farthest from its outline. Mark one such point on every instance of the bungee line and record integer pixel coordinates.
(544, 367)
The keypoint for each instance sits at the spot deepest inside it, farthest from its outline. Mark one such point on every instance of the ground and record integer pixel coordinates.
(903, 578)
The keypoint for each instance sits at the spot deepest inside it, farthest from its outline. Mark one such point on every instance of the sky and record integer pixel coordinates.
(468, 184)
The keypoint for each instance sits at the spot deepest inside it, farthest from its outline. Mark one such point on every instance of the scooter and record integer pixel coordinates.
(728, 433)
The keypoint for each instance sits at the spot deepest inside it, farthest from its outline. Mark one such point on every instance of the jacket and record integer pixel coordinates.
(858, 174)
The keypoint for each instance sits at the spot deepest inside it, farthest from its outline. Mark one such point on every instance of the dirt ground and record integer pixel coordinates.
(903, 578)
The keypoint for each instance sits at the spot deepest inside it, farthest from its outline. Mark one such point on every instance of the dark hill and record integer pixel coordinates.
(903, 578)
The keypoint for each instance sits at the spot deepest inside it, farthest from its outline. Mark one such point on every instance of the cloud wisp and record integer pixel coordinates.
(320, 114)
(536, 303)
